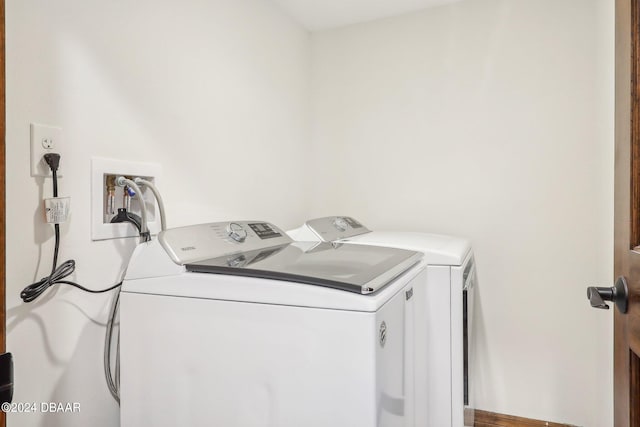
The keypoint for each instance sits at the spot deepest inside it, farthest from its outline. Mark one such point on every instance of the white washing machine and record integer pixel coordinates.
(236, 325)
(444, 311)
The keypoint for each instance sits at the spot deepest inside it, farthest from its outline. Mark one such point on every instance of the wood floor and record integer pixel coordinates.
(490, 419)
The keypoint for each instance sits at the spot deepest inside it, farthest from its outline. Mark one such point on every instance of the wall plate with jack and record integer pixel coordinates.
(101, 169)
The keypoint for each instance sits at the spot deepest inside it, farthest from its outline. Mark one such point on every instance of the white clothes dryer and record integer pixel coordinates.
(235, 325)
(444, 342)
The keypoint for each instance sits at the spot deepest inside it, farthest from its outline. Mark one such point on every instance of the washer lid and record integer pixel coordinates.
(355, 268)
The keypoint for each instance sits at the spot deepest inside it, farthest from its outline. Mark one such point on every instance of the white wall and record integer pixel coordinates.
(217, 92)
(490, 119)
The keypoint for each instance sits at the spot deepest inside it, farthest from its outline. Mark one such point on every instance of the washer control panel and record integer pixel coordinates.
(204, 241)
(332, 228)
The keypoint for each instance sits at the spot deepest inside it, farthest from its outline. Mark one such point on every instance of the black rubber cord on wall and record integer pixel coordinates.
(57, 275)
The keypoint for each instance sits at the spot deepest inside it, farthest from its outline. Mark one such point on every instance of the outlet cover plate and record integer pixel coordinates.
(101, 167)
(45, 139)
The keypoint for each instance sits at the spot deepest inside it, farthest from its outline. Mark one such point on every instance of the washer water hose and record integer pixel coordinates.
(156, 194)
(113, 379)
(144, 229)
(112, 384)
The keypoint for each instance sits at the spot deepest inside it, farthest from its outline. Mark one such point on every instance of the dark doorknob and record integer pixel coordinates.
(618, 294)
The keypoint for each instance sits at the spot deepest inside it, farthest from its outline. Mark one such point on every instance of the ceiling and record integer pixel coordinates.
(322, 14)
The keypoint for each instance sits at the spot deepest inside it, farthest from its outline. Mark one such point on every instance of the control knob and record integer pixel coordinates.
(341, 224)
(236, 232)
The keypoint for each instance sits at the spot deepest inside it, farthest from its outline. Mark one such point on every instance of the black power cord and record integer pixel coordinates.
(125, 216)
(57, 275)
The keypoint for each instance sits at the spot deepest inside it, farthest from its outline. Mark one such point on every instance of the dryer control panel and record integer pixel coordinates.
(217, 239)
(332, 228)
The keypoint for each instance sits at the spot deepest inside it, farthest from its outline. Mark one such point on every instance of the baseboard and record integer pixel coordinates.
(491, 419)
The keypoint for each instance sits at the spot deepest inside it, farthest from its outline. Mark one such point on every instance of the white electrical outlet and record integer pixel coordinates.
(44, 139)
(101, 226)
